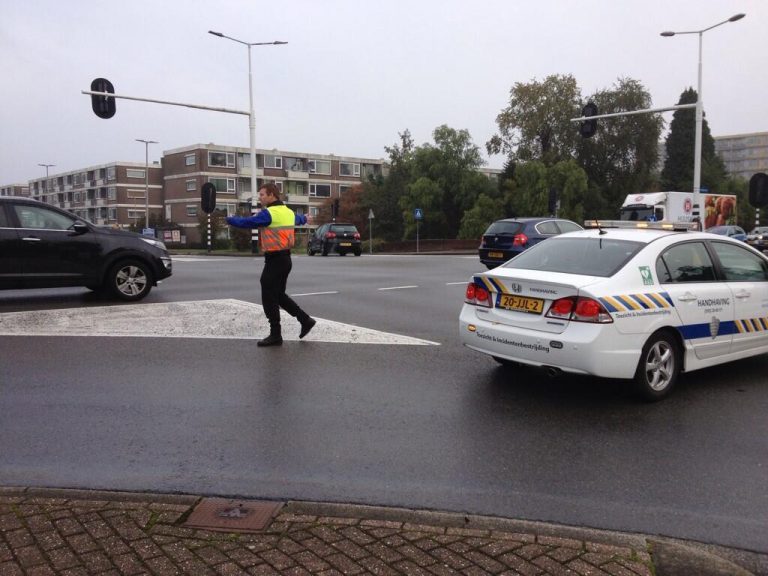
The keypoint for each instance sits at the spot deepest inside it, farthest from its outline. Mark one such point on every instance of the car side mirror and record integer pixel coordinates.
(80, 227)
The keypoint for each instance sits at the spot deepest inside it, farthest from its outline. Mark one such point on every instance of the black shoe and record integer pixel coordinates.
(271, 340)
(306, 327)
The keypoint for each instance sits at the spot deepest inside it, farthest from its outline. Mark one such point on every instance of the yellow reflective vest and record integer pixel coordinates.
(279, 235)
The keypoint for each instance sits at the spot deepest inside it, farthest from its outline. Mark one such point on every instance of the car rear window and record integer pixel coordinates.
(588, 256)
(503, 227)
(341, 228)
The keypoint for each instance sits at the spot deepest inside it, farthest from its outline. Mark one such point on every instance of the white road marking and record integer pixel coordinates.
(396, 288)
(227, 318)
(455, 283)
(314, 293)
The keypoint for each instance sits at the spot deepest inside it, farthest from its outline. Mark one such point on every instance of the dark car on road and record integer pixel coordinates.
(338, 237)
(505, 239)
(735, 232)
(758, 238)
(42, 246)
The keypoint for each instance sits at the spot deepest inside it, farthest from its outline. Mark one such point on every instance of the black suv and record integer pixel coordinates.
(42, 246)
(335, 237)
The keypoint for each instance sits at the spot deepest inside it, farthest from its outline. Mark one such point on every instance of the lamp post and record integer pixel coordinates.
(46, 166)
(700, 118)
(252, 116)
(146, 178)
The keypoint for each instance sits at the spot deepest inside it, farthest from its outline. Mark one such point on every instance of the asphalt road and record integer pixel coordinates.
(436, 427)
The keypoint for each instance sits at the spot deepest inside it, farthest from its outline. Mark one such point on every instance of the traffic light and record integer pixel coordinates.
(103, 106)
(208, 197)
(758, 190)
(588, 127)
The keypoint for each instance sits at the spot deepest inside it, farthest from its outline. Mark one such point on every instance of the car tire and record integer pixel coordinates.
(342, 253)
(310, 252)
(129, 280)
(357, 252)
(658, 367)
(325, 250)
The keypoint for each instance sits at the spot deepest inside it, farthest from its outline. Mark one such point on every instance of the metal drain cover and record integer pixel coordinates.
(222, 515)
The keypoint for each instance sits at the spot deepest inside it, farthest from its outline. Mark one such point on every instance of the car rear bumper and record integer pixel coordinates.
(582, 348)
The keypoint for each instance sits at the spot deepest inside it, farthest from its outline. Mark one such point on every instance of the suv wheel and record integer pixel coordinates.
(358, 252)
(325, 249)
(129, 280)
(310, 252)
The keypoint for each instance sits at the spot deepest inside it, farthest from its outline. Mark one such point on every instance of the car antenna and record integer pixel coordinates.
(599, 228)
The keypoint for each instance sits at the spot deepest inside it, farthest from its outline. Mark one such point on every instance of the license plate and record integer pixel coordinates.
(495, 254)
(345, 244)
(520, 304)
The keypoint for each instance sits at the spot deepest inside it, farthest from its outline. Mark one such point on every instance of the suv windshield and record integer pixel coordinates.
(502, 227)
(587, 256)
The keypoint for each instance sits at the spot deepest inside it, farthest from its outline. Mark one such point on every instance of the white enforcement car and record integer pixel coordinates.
(622, 303)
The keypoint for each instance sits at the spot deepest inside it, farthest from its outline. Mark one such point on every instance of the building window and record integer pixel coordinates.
(135, 214)
(273, 161)
(190, 159)
(319, 166)
(136, 193)
(224, 185)
(349, 169)
(191, 185)
(314, 211)
(77, 196)
(191, 209)
(78, 180)
(344, 188)
(320, 190)
(111, 173)
(224, 159)
(112, 193)
(113, 213)
(135, 173)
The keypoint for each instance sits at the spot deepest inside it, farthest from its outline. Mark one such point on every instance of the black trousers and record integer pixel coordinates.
(274, 277)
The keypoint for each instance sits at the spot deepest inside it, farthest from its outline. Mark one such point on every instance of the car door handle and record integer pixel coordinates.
(31, 239)
(687, 297)
(743, 294)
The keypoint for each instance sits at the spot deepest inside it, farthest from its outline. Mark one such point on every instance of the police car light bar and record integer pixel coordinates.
(641, 224)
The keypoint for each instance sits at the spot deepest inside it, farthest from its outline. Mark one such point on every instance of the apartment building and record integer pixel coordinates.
(113, 194)
(305, 180)
(14, 190)
(743, 154)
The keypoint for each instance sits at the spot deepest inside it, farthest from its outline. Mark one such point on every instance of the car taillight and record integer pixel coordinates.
(520, 240)
(477, 295)
(330, 235)
(579, 309)
(357, 236)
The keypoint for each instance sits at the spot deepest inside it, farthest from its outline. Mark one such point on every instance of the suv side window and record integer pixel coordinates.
(4, 222)
(40, 218)
(568, 226)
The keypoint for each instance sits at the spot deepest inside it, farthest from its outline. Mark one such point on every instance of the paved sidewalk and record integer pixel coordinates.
(75, 532)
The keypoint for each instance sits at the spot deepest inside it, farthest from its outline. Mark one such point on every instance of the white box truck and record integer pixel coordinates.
(717, 210)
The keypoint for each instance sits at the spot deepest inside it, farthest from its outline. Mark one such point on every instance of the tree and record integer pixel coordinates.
(620, 159)
(536, 125)
(476, 220)
(677, 173)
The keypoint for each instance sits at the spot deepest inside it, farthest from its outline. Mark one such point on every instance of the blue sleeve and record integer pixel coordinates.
(263, 218)
(300, 219)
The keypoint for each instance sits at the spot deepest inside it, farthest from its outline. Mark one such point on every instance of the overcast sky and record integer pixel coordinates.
(354, 74)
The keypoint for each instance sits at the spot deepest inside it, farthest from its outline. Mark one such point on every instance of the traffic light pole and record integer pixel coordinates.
(633, 112)
(198, 106)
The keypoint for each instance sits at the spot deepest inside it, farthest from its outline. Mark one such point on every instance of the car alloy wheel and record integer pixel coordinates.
(659, 366)
(130, 280)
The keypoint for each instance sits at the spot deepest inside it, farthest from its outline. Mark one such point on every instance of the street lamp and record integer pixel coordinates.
(46, 166)
(146, 178)
(700, 118)
(252, 117)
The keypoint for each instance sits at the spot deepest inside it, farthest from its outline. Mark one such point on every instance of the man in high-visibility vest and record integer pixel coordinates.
(276, 224)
